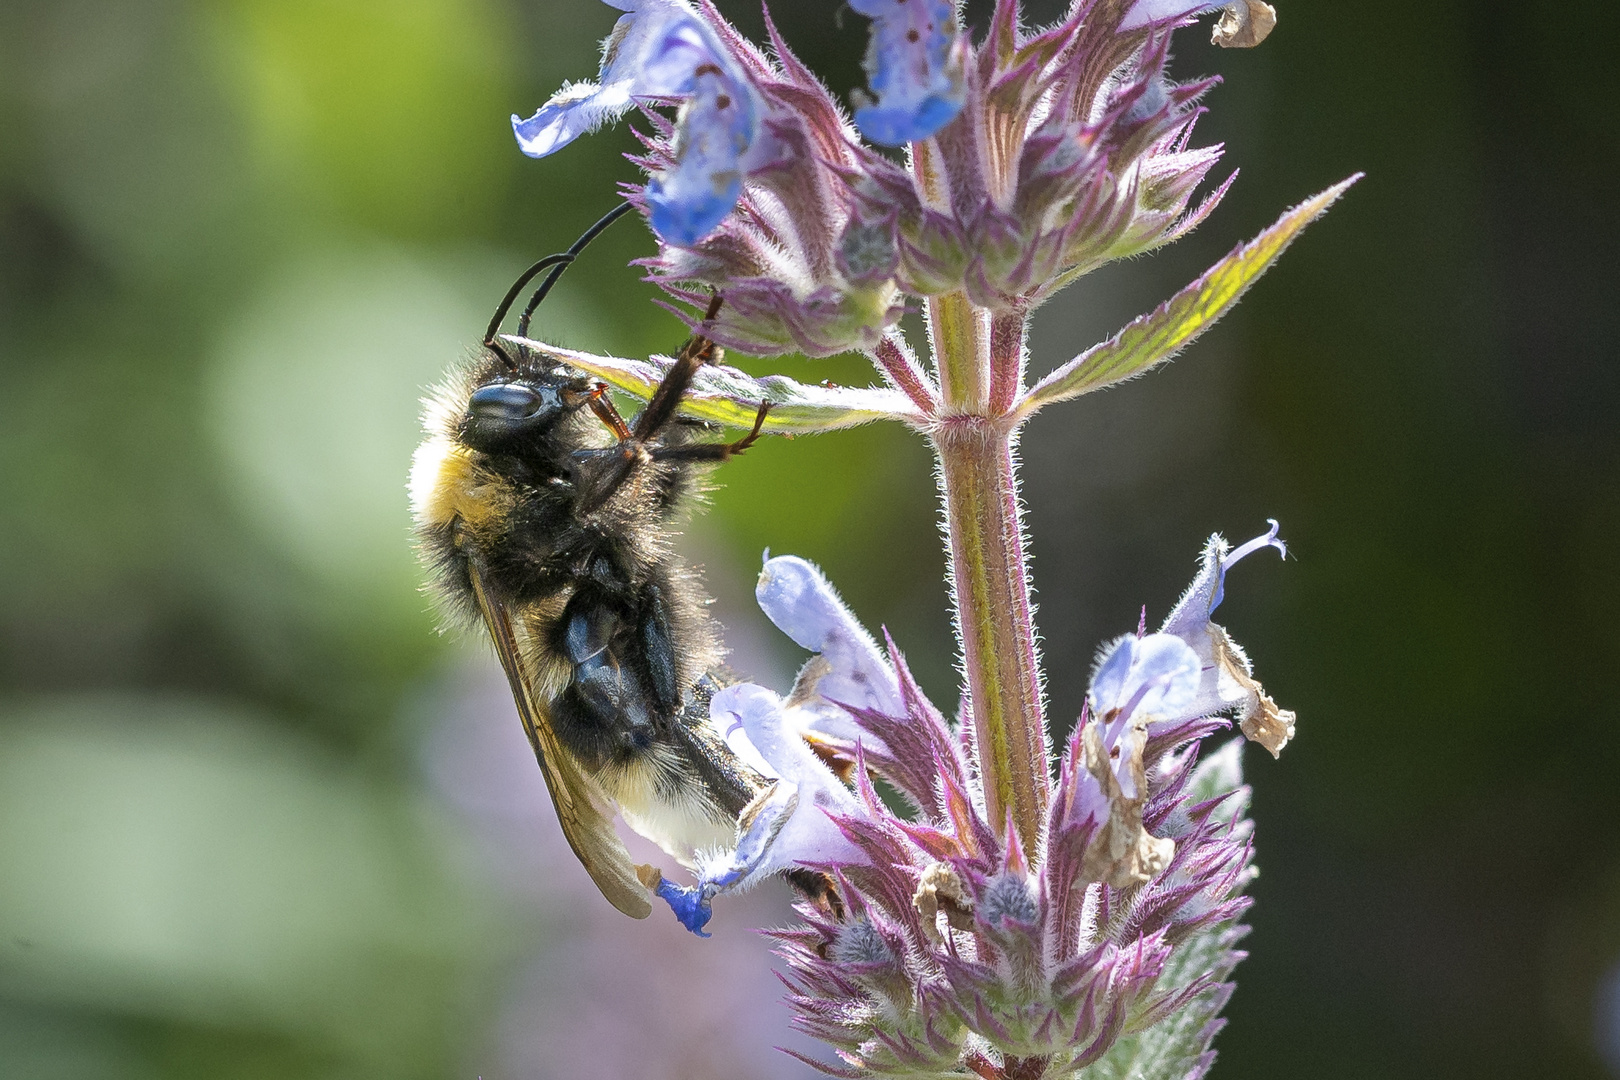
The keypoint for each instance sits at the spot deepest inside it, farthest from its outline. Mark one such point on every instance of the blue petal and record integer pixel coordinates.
(1144, 12)
(719, 138)
(664, 49)
(690, 905)
(1155, 674)
(893, 126)
(684, 221)
(1249, 547)
(913, 68)
(571, 112)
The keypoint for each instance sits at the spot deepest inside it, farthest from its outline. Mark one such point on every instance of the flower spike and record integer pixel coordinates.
(1072, 151)
(957, 938)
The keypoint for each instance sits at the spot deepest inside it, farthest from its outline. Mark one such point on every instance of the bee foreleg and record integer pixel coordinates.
(603, 472)
(698, 351)
(602, 406)
(715, 451)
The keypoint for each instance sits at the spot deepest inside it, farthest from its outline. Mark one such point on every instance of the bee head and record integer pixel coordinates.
(516, 408)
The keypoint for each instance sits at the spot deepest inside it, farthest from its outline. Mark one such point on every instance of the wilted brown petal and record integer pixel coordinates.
(1262, 721)
(1122, 852)
(1244, 24)
(940, 889)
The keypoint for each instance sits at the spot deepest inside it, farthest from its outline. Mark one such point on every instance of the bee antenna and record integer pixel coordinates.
(556, 264)
(578, 246)
(558, 261)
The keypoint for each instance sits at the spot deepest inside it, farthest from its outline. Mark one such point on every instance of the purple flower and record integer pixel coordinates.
(915, 67)
(664, 49)
(954, 949)
(792, 825)
(787, 828)
(1227, 682)
(1073, 151)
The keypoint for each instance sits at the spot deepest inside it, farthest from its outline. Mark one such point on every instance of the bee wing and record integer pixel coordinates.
(589, 832)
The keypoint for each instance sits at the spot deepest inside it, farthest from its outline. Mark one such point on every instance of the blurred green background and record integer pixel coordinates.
(259, 821)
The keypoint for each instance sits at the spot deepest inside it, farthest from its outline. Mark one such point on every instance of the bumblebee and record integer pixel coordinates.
(546, 516)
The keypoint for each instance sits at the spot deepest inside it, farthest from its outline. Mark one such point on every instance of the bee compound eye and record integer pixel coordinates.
(505, 401)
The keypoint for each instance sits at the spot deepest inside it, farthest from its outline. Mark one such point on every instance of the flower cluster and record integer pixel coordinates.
(1032, 159)
(976, 915)
(955, 945)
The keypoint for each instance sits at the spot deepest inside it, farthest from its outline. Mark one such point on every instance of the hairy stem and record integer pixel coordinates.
(959, 334)
(974, 442)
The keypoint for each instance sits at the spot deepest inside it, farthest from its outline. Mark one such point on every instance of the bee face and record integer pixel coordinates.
(510, 412)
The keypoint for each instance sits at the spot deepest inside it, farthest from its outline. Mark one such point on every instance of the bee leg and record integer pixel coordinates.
(604, 471)
(715, 451)
(698, 351)
(817, 888)
(602, 406)
(608, 702)
(659, 648)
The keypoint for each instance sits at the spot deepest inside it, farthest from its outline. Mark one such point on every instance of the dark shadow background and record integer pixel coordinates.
(253, 822)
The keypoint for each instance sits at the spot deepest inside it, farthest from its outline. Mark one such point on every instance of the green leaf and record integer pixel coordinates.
(729, 396)
(1157, 336)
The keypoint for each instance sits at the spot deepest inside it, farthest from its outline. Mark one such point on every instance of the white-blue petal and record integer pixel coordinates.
(799, 600)
(1144, 12)
(1154, 676)
(665, 49)
(572, 111)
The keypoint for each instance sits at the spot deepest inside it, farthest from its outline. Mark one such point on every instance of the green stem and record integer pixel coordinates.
(959, 335)
(974, 441)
